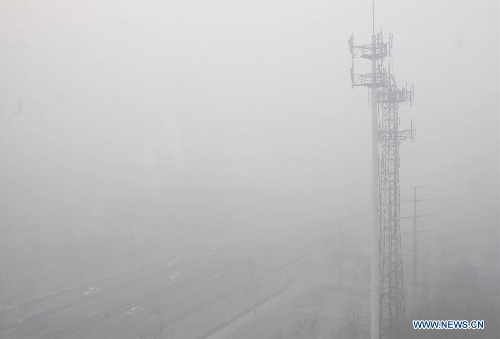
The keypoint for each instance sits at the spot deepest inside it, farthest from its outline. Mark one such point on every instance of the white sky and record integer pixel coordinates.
(242, 110)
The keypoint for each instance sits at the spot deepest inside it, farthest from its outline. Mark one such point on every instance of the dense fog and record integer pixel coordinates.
(202, 169)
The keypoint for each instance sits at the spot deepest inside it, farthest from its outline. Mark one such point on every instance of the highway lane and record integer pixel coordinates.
(173, 305)
(225, 310)
(112, 301)
(119, 301)
(74, 296)
(112, 292)
(59, 301)
(181, 296)
(184, 303)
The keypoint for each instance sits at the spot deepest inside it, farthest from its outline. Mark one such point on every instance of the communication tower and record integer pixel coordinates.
(387, 290)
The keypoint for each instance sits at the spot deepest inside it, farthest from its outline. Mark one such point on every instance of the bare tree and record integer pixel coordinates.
(306, 329)
(279, 334)
(352, 317)
(160, 315)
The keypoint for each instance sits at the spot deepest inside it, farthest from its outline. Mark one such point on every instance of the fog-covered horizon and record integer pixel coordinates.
(219, 114)
(202, 169)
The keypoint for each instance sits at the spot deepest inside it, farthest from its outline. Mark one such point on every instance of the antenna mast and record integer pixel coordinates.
(387, 297)
(373, 17)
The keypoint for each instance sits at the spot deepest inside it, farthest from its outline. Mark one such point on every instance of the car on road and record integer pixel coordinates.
(135, 311)
(217, 275)
(91, 290)
(174, 276)
(171, 263)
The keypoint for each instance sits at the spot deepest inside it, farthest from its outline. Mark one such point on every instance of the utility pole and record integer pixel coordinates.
(201, 315)
(414, 282)
(470, 195)
(340, 256)
(375, 249)
(375, 52)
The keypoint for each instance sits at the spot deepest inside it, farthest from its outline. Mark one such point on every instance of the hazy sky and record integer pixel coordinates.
(237, 112)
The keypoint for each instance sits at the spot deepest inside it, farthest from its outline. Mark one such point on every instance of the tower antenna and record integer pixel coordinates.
(373, 17)
(386, 287)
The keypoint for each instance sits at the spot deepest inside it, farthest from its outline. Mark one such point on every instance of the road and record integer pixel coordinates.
(201, 287)
(194, 307)
(72, 302)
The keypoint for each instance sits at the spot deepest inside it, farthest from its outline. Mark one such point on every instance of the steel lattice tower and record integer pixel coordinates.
(391, 263)
(387, 276)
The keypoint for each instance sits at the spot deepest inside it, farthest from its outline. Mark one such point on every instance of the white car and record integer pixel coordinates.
(217, 275)
(172, 263)
(135, 310)
(174, 276)
(91, 290)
